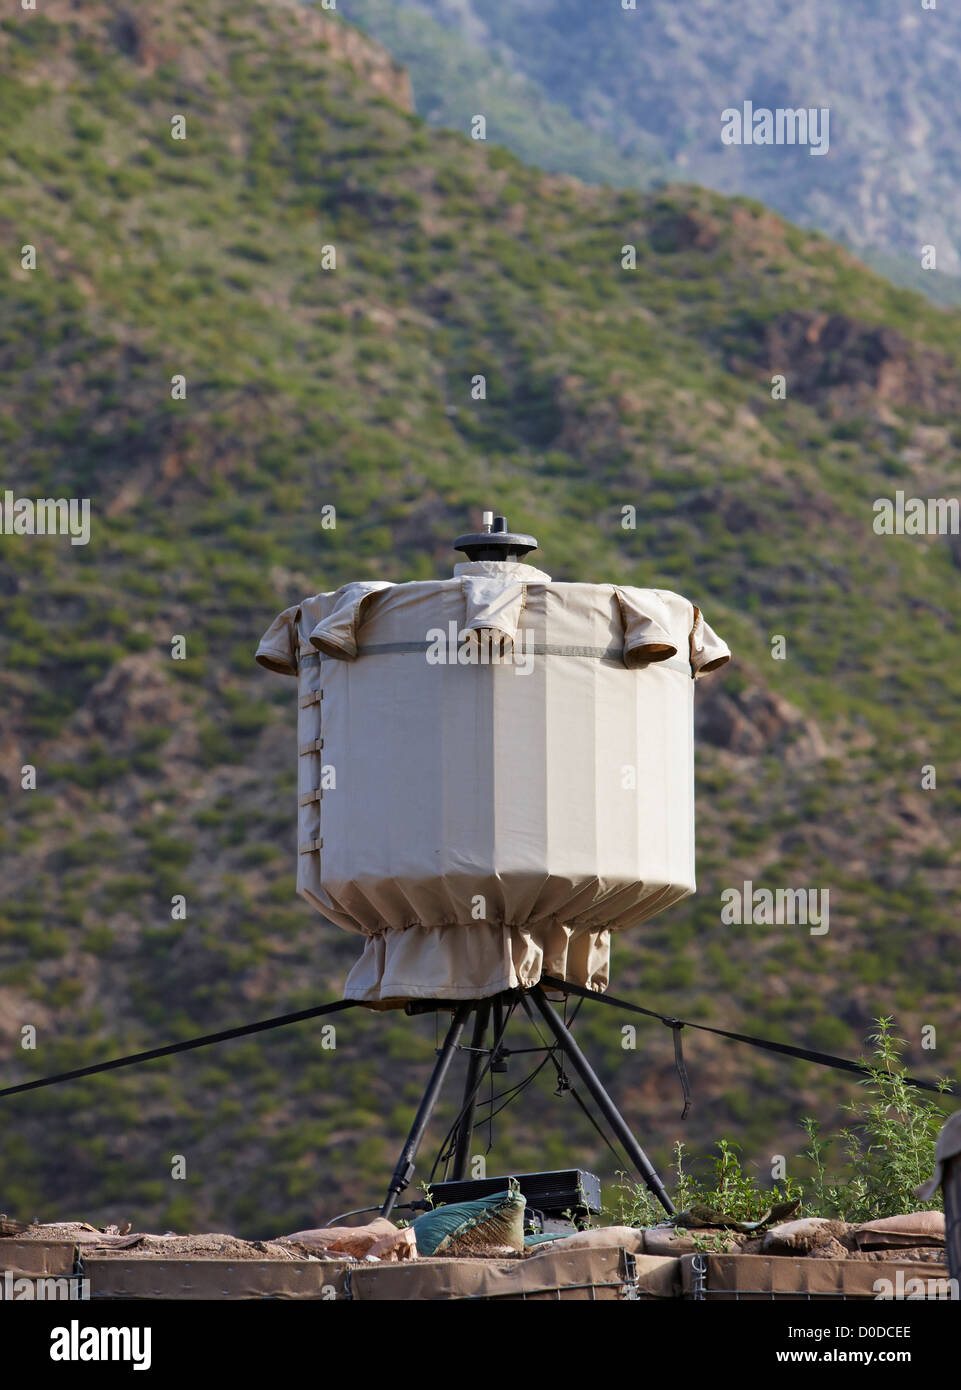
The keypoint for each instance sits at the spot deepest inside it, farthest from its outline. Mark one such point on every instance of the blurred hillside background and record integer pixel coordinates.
(306, 387)
(634, 97)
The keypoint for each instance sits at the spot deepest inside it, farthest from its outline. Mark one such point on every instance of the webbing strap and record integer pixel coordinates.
(823, 1059)
(242, 1032)
(676, 1026)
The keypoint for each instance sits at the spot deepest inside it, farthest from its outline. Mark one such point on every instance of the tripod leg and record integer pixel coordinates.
(405, 1165)
(465, 1128)
(498, 1063)
(604, 1103)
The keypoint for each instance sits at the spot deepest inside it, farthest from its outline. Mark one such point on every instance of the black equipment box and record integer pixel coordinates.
(554, 1200)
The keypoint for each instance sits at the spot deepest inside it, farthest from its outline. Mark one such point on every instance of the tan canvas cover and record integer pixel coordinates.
(593, 1275)
(495, 771)
(753, 1277)
(217, 1279)
(27, 1257)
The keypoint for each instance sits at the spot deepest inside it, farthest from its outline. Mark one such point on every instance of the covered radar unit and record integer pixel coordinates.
(496, 770)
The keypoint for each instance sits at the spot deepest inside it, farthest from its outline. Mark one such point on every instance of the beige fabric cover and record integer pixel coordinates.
(476, 818)
(947, 1151)
(586, 1276)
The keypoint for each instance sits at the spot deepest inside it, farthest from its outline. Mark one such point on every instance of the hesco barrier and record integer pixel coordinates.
(779, 1277)
(588, 1275)
(34, 1270)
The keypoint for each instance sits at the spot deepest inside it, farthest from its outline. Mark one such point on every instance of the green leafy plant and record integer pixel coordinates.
(727, 1189)
(885, 1154)
(889, 1146)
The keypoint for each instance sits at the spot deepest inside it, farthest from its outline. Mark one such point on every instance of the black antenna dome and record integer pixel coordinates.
(495, 541)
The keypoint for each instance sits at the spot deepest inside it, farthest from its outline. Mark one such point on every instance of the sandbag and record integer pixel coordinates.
(346, 1240)
(601, 1238)
(402, 1246)
(801, 1237)
(666, 1240)
(487, 1226)
(891, 1232)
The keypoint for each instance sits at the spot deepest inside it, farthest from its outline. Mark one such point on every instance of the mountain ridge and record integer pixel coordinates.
(636, 97)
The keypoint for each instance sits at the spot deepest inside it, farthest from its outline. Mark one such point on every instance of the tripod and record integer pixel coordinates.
(484, 1010)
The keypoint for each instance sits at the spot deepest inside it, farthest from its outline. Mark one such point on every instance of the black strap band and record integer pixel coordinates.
(244, 1031)
(676, 1025)
(823, 1059)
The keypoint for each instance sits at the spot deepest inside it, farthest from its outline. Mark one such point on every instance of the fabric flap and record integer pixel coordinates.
(501, 570)
(278, 646)
(708, 652)
(336, 635)
(494, 607)
(646, 628)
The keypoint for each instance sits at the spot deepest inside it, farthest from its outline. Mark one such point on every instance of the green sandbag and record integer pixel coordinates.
(473, 1228)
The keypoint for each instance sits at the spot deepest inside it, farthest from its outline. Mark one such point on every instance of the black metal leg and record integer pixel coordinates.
(405, 1165)
(607, 1107)
(951, 1188)
(465, 1127)
(498, 1063)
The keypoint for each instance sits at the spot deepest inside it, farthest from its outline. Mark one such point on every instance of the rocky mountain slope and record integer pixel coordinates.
(208, 258)
(628, 95)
